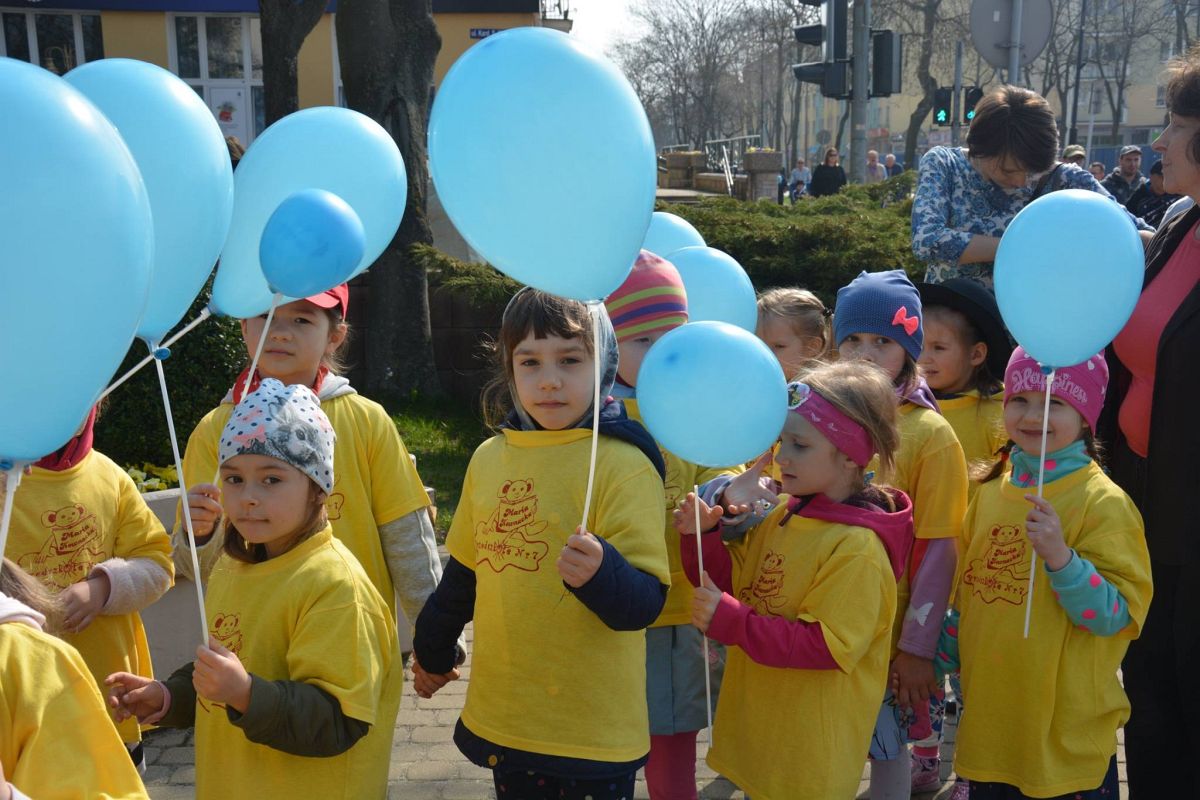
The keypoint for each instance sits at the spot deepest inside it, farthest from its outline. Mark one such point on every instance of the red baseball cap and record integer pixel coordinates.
(332, 298)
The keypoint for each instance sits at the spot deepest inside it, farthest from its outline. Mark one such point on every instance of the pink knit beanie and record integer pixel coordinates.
(651, 300)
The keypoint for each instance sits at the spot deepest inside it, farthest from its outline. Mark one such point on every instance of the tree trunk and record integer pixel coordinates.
(285, 24)
(928, 84)
(387, 50)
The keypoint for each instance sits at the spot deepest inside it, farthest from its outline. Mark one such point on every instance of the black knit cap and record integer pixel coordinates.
(977, 303)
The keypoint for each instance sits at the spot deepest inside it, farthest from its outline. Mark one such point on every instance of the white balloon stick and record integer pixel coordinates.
(594, 312)
(205, 314)
(12, 479)
(703, 637)
(1041, 481)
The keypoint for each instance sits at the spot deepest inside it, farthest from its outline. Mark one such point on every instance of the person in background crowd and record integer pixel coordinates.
(1075, 154)
(1098, 169)
(1151, 201)
(889, 163)
(876, 172)
(1127, 178)
(828, 178)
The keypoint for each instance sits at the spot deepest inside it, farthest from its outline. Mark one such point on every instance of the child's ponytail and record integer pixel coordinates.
(23, 587)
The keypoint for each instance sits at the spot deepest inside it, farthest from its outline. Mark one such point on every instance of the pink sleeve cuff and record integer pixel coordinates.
(162, 712)
(771, 641)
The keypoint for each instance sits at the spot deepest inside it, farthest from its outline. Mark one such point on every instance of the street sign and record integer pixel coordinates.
(991, 29)
(483, 33)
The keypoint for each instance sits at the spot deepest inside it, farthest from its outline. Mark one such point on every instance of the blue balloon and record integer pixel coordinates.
(1064, 298)
(78, 244)
(543, 158)
(668, 233)
(737, 422)
(335, 149)
(717, 287)
(313, 242)
(181, 154)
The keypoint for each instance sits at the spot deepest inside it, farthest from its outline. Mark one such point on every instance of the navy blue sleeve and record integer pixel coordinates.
(622, 596)
(441, 621)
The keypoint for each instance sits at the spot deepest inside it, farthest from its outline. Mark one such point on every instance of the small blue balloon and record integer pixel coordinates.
(739, 422)
(313, 242)
(717, 287)
(1064, 298)
(183, 159)
(544, 160)
(78, 245)
(668, 233)
(336, 149)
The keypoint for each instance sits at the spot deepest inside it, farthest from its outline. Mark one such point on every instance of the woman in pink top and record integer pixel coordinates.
(1155, 439)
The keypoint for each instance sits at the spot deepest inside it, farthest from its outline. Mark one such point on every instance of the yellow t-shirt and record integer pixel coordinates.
(1044, 710)
(549, 677)
(979, 425)
(64, 524)
(811, 570)
(681, 477)
(932, 471)
(375, 483)
(311, 616)
(57, 741)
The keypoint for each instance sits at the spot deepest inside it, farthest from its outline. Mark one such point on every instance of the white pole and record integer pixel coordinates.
(1041, 481)
(703, 637)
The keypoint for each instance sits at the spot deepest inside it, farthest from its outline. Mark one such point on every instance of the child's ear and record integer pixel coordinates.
(337, 335)
(979, 353)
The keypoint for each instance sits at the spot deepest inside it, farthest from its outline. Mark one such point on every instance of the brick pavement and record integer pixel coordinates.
(426, 765)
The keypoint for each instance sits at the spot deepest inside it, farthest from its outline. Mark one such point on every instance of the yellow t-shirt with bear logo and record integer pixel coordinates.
(979, 425)
(816, 571)
(548, 675)
(375, 482)
(681, 477)
(309, 615)
(932, 471)
(57, 741)
(64, 524)
(1044, 709)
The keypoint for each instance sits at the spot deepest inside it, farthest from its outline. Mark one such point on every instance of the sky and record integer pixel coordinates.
(601, 23)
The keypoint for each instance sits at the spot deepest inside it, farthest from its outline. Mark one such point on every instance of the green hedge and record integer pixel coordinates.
(201, 368)
(818, 244)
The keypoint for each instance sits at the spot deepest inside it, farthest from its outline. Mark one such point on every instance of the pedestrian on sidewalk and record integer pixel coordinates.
(556, 706)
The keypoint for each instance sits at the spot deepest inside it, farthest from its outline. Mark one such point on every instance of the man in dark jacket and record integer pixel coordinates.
(1151, 201)
(1127, 178)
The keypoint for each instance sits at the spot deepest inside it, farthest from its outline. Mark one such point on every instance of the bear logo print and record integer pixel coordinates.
(764, 595)
(1003, 572)
(507, 538)
(74, 545)
(227, 630)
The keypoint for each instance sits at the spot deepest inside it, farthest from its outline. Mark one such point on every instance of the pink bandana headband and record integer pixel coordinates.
(844, 433)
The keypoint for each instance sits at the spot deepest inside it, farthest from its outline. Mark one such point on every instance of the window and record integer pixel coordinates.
(1160, 101)
(57, 41)
(1097, 101)
(220, 56)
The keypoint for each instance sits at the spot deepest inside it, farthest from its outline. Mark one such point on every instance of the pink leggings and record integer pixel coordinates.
(671, 770)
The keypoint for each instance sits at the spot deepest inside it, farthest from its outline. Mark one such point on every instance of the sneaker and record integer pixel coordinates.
(926, 774)
(962, 790)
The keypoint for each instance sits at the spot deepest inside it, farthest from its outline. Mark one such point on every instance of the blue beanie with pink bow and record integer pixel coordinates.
(882, 303)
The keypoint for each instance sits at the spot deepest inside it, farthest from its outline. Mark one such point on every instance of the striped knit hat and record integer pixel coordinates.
(651, 300)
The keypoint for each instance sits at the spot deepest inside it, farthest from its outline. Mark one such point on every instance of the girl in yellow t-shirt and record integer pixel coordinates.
(302, 655)
(56, 738)
(82, 528)
(805, 599)
(1045, 709)
(378, 508)
(878, 318)
(794, 323)
(556, 706)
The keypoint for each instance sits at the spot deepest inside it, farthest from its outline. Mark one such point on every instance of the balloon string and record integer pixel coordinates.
(12, 479)
(205, 314)
(1041, 481)
(594, 312)
(258, 351)
(187, 517)
(703, 637)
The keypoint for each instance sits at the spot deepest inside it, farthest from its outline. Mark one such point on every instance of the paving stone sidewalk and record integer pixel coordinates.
(426, 765)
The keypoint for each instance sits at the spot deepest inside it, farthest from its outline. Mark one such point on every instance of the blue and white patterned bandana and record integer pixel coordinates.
(286, 423)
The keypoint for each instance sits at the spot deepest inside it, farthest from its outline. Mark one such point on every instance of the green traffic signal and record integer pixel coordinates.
(941, 116)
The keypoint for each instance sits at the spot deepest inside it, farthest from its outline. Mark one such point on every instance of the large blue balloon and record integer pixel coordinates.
(77, 243)
(717, 287)
(335, 149)
(668, 233)
(1064, 298)
(313, 242)
(732, 424)
(184, 163)
(543, 159)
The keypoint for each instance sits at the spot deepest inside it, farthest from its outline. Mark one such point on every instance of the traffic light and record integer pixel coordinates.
(832, 72)
(886, 63)
(942, 98)
(971, 96)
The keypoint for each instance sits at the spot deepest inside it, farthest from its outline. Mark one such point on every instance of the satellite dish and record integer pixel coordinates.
(991, 29)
